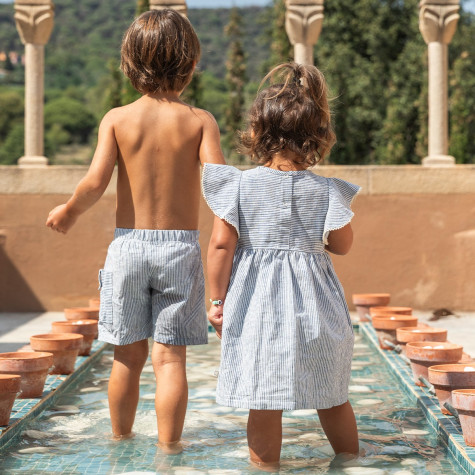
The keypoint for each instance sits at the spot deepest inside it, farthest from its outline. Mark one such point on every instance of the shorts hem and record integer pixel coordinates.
(108, 338)
(182, 341)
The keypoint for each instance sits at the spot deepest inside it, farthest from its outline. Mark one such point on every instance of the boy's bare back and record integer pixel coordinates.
(160, 142)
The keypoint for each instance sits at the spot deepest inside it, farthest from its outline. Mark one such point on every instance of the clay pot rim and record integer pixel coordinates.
(444, 368)
(372, 295)
(81, 309)
(388, 309)
(465, 392)
(395, 317)
(26, 355)
(421, 329)
(421, 344)
(57, 336)
(79, 322)
(13, 377)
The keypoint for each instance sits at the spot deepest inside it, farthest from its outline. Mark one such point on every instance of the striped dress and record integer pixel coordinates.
(287, 335)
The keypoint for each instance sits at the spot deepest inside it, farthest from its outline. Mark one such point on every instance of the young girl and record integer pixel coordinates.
(287, 335)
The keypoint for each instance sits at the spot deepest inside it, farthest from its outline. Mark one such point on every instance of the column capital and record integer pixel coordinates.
(34, 20)
(438, 20)
(303, 21)
(178, 5)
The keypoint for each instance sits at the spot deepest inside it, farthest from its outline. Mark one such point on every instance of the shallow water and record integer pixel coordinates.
(393, 431)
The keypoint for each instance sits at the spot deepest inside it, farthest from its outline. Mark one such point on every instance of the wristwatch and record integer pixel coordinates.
(216, 302)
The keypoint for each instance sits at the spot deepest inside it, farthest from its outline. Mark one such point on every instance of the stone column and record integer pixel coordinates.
(437, 23)
(303, 23)
(34, 21)
(178, 5)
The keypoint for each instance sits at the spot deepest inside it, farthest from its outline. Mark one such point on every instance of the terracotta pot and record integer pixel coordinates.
(64, 346)
(86, 328)
(95, 302)
(379, 311)
(447, 377)
(363, 302)
(406, 335)
(387, 325)
(424, 354)
(9, 389)
(464, 401)
(82, 313)
(33, 367)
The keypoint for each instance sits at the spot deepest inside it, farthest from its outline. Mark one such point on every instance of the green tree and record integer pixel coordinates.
(462, 109)
(275, 36)
(114, 92)
(11, 111)
(72, 116)
(12, 149)
(142, 7)
(236, 79)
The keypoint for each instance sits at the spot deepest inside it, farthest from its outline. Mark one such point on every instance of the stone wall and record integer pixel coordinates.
(414, 237)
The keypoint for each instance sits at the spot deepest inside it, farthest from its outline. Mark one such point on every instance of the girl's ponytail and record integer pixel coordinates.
(293, 114)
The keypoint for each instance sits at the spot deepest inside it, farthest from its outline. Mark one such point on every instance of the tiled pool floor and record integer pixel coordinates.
(75, 437)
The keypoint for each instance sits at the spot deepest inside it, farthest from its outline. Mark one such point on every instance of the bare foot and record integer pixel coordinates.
(130, 435)
(266, 466)
(171, 448)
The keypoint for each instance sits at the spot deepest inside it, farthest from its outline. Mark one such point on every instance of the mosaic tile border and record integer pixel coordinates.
(24, 410)
(447, 427)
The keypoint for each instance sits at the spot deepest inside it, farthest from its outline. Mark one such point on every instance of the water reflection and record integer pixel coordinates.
(74, 437)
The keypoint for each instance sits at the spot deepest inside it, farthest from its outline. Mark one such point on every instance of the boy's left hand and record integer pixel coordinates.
(59, 219)
(215, 317)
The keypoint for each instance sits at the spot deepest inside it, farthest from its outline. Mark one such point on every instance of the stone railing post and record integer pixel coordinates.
(34, 21)
(178, 5)
(303, 23)
(437, 23)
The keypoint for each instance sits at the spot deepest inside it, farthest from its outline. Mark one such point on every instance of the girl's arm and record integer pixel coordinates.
(220, 262)
(340, 240)
(93, 185)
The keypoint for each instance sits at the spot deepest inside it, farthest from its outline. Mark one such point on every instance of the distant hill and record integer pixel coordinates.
(88, 33)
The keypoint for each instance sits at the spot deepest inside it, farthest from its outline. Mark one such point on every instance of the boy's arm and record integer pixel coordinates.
(93, 185)
(220, 262)
(340, 240)
(210, 146)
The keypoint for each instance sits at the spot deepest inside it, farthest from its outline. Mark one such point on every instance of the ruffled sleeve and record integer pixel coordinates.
(339, 214)
(220, 185)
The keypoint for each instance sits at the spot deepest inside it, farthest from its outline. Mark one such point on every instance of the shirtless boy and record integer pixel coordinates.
(152, 283)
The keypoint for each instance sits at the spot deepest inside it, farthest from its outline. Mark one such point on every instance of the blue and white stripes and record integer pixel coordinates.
(287, 335)
(152, 285)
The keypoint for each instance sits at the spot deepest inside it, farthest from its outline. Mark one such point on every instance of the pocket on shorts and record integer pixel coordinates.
(106, 288)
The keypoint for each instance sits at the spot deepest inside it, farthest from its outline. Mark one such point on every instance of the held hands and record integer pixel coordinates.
(215, 317)
(60, 219)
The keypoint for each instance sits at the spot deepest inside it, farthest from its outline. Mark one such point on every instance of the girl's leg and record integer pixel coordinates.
(171, 398)
(339, 424)
(264, 436)
(124, 384)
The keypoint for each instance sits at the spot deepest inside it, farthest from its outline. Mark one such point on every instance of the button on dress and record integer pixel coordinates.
(287, 335)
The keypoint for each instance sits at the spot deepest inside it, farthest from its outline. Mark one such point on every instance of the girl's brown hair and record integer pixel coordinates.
(159, 52)
(292, 115)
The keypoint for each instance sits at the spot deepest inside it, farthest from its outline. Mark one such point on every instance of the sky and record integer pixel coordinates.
(469, 4)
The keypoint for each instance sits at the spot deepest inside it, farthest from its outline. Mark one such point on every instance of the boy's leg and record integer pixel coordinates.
(339, 424)
(171, 398)
(124, 383)
(264, 436)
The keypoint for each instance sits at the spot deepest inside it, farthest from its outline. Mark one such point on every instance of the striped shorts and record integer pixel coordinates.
(152, 285)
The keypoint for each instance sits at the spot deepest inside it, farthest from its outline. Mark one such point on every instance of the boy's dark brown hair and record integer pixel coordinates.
(159, 52)
(292, 115)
